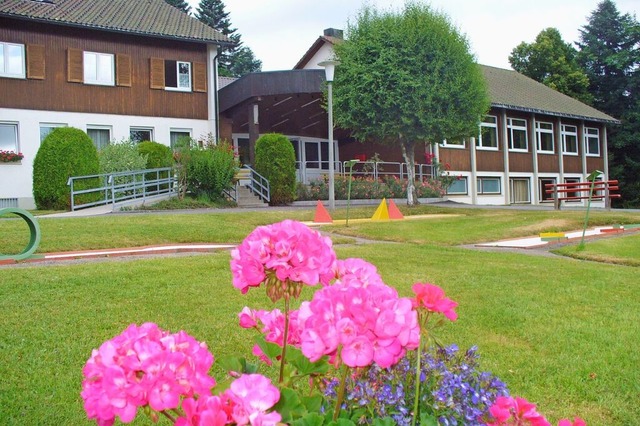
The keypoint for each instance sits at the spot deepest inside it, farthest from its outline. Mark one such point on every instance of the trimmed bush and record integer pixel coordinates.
(64, 153)
(158, 155)
(210, 171)
(276, 161)
(121, 156)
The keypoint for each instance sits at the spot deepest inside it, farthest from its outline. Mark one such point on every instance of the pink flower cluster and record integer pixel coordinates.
(271, 324)
(358, 270)
(431, 297)
(246, 402)
(144, 366)
(289, 249)
(357, 324)
(508, 411)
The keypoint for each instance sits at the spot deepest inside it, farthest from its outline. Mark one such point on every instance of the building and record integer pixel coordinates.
(532, 135)
(116, 69)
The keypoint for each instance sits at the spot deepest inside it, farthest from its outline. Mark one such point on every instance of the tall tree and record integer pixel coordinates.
(235, 61)
(180, 4)
(407, 78)
(610, 54)
(552, 62)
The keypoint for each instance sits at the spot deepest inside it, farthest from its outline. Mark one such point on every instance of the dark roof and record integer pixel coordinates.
(152, 18)
(512, 90)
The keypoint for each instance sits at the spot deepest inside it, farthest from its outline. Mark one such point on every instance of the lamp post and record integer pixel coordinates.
(329, 69)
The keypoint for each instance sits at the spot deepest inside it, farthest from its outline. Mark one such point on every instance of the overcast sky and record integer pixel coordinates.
(280, 31)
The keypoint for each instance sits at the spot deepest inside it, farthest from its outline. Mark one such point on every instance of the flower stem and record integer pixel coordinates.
(285, 336)
(169, 416)
(423, 328)
(341, 389)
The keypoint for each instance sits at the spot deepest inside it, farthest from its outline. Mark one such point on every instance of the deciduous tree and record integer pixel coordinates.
(406, 78)
(552, 62)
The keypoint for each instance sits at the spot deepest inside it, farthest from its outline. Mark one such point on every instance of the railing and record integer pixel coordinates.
(258, 184)
(113, 188)
(309, 170)
(577, 191)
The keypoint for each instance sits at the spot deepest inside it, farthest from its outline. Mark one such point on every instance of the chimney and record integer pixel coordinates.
(332, 32)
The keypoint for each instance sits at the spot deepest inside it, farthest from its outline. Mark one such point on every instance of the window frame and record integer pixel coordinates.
(587, 137)
(141, 129)
(51, 126)
(100, 127)
(178, 130)
(563, 135)
(178, 88)
(23, 64)
(462, 145)
(572, 194)
(480, 185)
(542, 195)
(16, 127)
(99, 79)
(466, 186)
(511, 127)
(488, 125)
(539, 132)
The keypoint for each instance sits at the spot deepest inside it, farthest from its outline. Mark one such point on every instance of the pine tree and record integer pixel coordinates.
(610, 54)
(234, 61)
(180, 4)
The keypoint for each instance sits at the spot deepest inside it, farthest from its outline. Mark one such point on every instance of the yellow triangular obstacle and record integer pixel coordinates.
(382, 213)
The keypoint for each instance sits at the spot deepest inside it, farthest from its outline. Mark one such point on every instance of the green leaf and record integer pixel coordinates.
(313, 404)
(271, 350)
(289, 406)
(237, 364)
(309, 419)
(428, 420)
(386, 421)
(302, 364)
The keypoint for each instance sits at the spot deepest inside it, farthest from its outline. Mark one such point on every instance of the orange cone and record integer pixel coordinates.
(322, 215)
(394, 212)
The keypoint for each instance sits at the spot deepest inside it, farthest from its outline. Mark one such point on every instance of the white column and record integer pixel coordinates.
(534, 150)
(212, 90)
(583, 152)
(505, 153)
(473, 185)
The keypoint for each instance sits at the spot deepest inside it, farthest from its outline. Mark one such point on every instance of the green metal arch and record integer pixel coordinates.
(34, 230)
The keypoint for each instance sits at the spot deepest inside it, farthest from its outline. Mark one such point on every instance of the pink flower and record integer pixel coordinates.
(286, 251)
(508, 411)
(576, 422)
(144, 366)
(359, 271)
(250, 397)
(205, 411)
(432, 298)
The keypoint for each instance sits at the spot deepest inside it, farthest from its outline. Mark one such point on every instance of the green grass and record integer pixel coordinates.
(623, 250)
(559, 331)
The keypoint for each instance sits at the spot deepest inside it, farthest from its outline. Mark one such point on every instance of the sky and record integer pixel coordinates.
(279, 32)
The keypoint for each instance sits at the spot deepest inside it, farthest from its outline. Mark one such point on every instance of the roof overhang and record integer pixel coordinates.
(554, 113)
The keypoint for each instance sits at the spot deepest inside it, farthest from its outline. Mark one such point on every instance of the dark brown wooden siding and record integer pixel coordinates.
(489, 161)
(548, 163)
(594, 163)
(520, 162)
(57, 94)
(456, 158)
(572, 164)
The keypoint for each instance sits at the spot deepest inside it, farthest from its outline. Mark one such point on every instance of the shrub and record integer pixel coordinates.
(276, 161)
(158, 155)
(121, 156)
(210, 171)
(64, 153)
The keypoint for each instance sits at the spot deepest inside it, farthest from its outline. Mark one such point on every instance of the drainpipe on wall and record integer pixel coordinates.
(212, 101)
(474, 172)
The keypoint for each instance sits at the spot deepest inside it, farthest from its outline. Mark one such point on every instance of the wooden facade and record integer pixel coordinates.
(54, 75)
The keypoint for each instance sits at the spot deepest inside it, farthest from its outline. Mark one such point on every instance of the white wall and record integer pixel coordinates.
(16, 179)
(325, 53)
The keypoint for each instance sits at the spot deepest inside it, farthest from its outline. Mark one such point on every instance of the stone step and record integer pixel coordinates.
(248, 199)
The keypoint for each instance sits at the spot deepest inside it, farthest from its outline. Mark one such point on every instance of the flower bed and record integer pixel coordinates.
(356, 353)
(368, 188)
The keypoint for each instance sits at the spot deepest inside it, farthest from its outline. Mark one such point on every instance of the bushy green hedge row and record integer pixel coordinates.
(210, 170)
(276, 161)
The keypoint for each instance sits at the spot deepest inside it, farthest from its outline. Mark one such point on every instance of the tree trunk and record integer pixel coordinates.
(408, 152)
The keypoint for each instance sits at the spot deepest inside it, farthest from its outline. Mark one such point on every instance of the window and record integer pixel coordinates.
(46, 128)
(569, 139)
(520, 191)
(139, 134)
(572, 193)
(9, 137)
(488, 138)
(592, 141)
(488, 185)
(544, 196)
(544, 137)
(100, 135)
(98, 68)
(12, 60)
(458, 186)
(517, 134)
(179, 136)
(177, 75)
(453, 143)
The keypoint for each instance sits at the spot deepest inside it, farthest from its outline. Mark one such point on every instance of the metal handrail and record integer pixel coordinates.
(376, 169)
(113, 188)
(259, 185)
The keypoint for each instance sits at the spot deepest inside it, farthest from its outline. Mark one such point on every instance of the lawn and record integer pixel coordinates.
(561, 332)
(623, 251)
